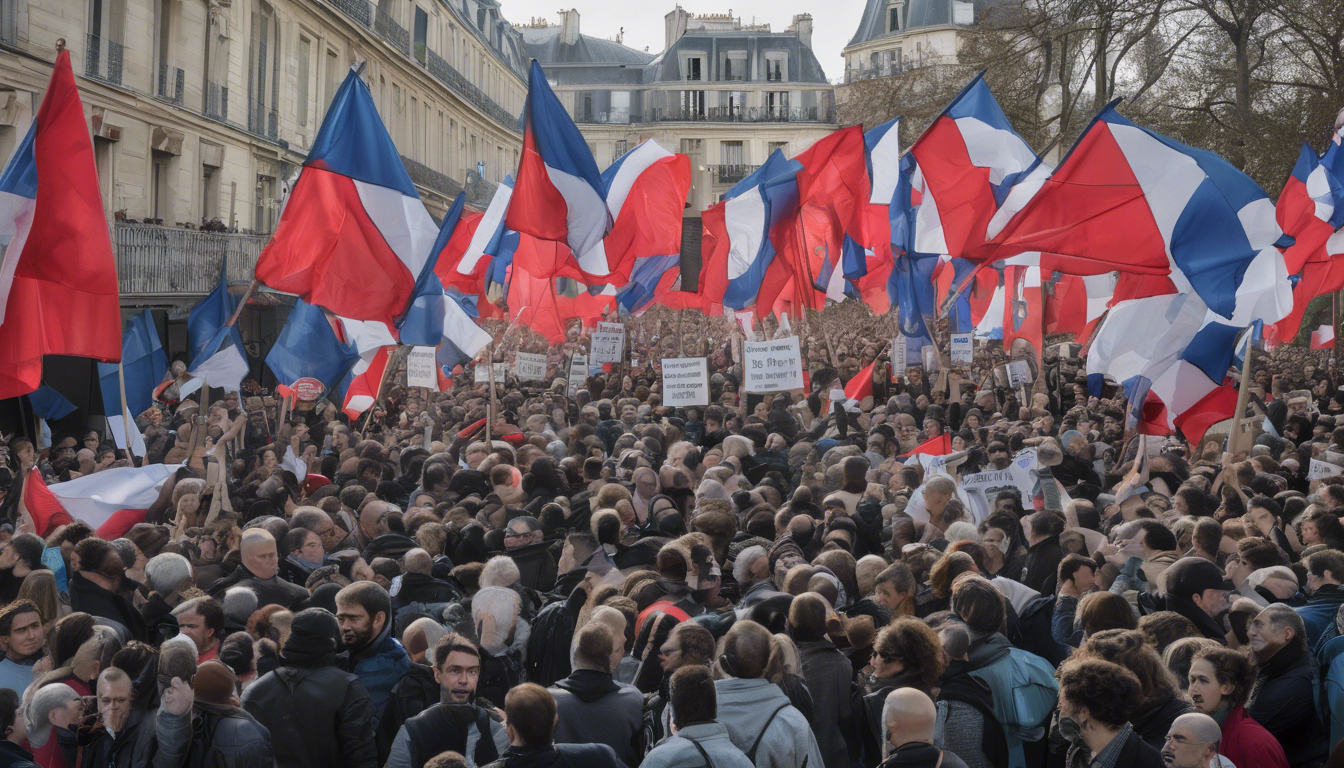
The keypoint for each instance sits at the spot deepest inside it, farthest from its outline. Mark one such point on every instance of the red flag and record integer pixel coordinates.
(1218, 405)
(938, 446)
(1022, 308)
(1323, 337)
(43, 507)
(1066, 306)
(861, 385)
(1155, 419)
(62, 296)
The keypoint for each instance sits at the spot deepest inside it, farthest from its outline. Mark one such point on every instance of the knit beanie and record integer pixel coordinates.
(312, 639)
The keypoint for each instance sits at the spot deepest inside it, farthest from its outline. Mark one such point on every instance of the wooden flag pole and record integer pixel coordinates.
(1243, 396)
(246, 296)
(125, 410)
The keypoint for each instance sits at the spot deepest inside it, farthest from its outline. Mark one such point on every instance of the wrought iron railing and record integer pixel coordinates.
(262, 119)
(216, 101)
(388, 29)
(449, 76)
(359, 10)
(166, 260)
(102, 59)
(170, 84)
(720, 115)
(731, 174)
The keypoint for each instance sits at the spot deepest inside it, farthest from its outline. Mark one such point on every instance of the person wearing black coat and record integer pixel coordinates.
(1284, 700)
(92, 588)
(1043, 552)
(13, 733)
(529, 716)
(318, 715)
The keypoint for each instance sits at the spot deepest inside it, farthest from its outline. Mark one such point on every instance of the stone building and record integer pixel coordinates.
(898, 35)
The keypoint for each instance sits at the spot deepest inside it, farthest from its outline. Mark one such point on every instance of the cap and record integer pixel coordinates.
(1192, 575)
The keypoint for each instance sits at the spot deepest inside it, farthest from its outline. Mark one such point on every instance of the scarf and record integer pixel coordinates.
(301, 564)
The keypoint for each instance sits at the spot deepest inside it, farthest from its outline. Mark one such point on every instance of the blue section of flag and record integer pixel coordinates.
(144, 362)
(308, 346)
(354, 142)
(50, 404)
(207, 317)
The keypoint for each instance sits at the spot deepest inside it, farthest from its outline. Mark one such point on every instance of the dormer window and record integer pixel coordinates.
(893, 19)
(777, 67)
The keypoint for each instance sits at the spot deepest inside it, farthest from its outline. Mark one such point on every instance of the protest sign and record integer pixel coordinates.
(898, 353)
(685, 381)
(963, 350)
(611, 328)
(529, 366)
(1323, 469)
(421, 368)
(773, 366)
(608, 347)
(1021, 476)
(483, 373)
(578, 370)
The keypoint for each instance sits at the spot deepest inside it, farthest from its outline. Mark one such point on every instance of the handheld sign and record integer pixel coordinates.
(898, 356)
(420, 368)
(685, 381)
(483, 373)
(1323, 469)
(578, 370)
(962, 349)
(308, 389)
(608, 347)
(773, 366)
(530, 367)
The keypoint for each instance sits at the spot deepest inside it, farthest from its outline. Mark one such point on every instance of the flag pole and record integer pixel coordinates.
(494, 406)
(126, 411)
(1243, 396)
(246, 296)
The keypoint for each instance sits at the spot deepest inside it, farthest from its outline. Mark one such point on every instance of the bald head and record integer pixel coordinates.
(259, 553)
(418, 561)
(373, 518)
(1192, 741)
(909, 715)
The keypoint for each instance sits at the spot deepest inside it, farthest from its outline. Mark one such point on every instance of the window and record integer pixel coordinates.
(692, 104)
(893, 19)
(163, 44)
(102, 58)
(104, 159)
(735, 65)
(453, 166)
(421, 39)
(264, 66)
(334, 77)
(301, 80)
(777, 67)
(734, 103)
(161, 188)
(415, 128)
(692, 68)
(264, 220)
(620, 107)
(777, 103)
(585, 108)
(209, 193)
(732, 153)
(622, 146)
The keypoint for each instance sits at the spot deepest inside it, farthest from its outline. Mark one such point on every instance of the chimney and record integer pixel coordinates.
(802, 24)
(569, 27)
(676, 26)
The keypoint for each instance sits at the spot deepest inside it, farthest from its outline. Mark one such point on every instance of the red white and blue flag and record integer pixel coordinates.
(58, 277)
(559, 195)
(354, 235)
(739, 229)
(437, 318)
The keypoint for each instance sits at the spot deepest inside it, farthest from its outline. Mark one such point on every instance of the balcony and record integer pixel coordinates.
(102, 59)
(731, 174)
(262, 119)
(169, 84)
(449, 76)
(154, 260)
(216, 101)
(359, 10)
(388, 29)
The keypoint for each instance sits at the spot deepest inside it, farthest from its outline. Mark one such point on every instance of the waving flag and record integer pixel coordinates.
(144, 362)
(646, 191)
(859, 387)
(1302, 215)
(96, 499)
(41, 505)
(1128, 199)
(58, 278)
(434, 318)
(466, 259)
(309, 346)
(559, 195)
(354, 234)
(220, 357)
(1022, 308)
(49, 404)
(969, 167)
(362, 385)
(1323, 337)
(737, 232)
(211, 314)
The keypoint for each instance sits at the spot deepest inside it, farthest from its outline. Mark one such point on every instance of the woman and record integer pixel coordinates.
(1161, 705)
(40, 587)
(1220, 685)
(1096, 701)
(303, 555)
(1005, 548)
(906, 654)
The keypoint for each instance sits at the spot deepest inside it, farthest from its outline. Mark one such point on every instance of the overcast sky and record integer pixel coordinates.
(833, 22)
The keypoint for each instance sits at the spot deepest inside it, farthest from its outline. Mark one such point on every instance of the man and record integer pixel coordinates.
(418, 585)
(1148, 549)
(1042, 530)
(22, 633)
(19, 557)
(699, 739)
(580, 556)
(219, 727)
(529, 717)
(1197, 590)
(457, 722)
(1192, 742)
(202, 619)
(523, 538)
(260, 573)
(592, 707)
(1325, 595)
(938, 492)
(688, 645)
(364, 612)
(114, 744)
(318, 715)
(319, 522)
(751, 569)
(1284, 700)
(54, 709)
(909, 716)
(758, 715)
(94, 588)
(1253, 553)
(894, 589)
(372, 524)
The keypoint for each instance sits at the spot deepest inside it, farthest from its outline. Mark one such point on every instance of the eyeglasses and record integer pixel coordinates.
(516, 535)
(1178, 739)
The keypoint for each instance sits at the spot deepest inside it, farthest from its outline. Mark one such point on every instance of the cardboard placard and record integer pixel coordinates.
(898, 353)
(685, 381)
(608, 347)
(963, 348)
(529, 366)
(773, 366)
(1322, 469)
(483, 373)
(421, 368)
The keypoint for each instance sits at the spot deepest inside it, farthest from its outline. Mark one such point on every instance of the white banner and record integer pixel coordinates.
(421, 368)
(773, 366)
(530, 367)
(608, 347)
(483, 373)
(685, 381)
(578, 370)
(963, 349)
(898, 356)
(1322, 469)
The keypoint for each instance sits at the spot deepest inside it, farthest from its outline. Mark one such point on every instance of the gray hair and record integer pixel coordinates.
(167, 572)
(48, 699)
(239, 604)
(962, 531)
(499, 571)
(127, 550)
(745, 559)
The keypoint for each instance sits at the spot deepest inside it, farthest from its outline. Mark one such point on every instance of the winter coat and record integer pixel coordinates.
(416, 691)
(829, 679)
(14, 756)
(1284, 703)
(1149, 603)
(237, 736)
(536, 566)
(966, 725)
(448, 727)
(873, 698)
(272, 591)
(595, 709)
(552, 633)
(1154, 718)
(1247, 743)
(102, 749)
(989, 662)
(558, 756)
(1331, 660)
(379, 666)
(920, 755)
(319, 717)
(92, 599)
(1137, 753)
(685, 749)
(160, 623)
(423, 590)
(1042, 565)
(758, 714)
(1319, 612)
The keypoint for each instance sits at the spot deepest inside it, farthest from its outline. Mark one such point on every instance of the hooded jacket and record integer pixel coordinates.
(684, 749)
(319, 717)
(757, 709)
(595, 709)
(92, 599)
(1319, 612)
(379, 665)
(233, 733)
(1207, 626)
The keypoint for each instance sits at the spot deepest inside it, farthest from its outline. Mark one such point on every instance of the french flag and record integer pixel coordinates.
(311, 346)
(739, 231)
(559, 195)
(1128, 199)
(434, 318)
(1302, 215)
(111, 500)
(363, 383)
(465, 260)
(58, 277)
(970, 168)
(354, 234)
(1323, 337)
(860, 387)
(220, 359)
(646, 192)
(1022, 308)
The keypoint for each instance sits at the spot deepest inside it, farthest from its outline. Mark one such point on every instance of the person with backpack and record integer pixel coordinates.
(201, 725)
(699, 740)
(758, 715)
(529, 716)
(908, 719)
(592, 706)
(1023, 683)
(457, 722)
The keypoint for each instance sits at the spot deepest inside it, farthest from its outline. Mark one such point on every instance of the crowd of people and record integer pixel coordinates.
(568, 574)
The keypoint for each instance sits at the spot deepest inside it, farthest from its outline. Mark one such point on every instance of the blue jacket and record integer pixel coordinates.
(1319, 613)
(379, 666)
(1331, 704)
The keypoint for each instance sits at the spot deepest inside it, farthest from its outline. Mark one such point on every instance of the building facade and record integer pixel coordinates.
(202, 111)
(724, 93)
(898, 35)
